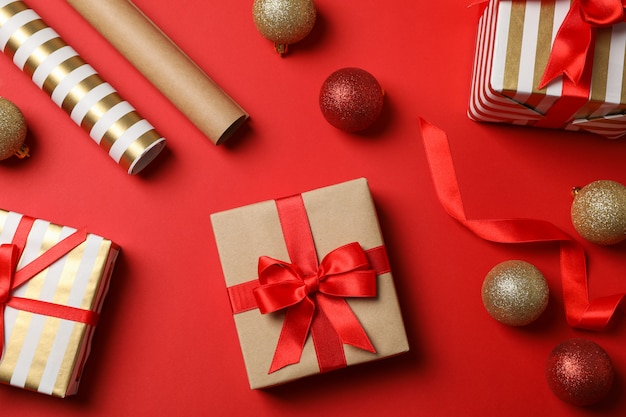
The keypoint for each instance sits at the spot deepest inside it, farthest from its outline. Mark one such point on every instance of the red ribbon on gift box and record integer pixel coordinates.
(573, 42)
(313, 294)
(571, 55)
(12, 278)
(579, 310)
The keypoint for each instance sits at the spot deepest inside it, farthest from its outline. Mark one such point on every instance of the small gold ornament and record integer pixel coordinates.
(515, 293)
(12, 131)
(284, 22)
(599, 212)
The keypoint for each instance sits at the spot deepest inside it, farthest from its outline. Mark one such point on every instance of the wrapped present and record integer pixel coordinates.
(309, 283)
(553, 64)
(53, 280)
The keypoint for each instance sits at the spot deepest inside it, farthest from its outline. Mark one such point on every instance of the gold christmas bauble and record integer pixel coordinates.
(515, 293)
(284, 22)
(12, 130)
(599, 212)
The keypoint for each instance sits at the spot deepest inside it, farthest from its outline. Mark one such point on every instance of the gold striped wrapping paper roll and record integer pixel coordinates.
(44, 353)
(513, 44)
(77, 88)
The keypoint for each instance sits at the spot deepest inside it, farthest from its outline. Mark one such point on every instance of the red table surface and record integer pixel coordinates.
(166, 344)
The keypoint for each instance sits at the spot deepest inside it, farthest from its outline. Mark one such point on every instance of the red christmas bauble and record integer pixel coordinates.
(579, 372)
(351, 99)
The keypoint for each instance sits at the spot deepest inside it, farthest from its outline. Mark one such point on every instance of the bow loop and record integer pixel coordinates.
(344, 272)
(8, 262)
(571, 50)
(602, 13)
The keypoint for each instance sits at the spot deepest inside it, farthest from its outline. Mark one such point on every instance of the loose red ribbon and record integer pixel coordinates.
(573, 42)
(579, 310)
(11, 278)
(312, 293)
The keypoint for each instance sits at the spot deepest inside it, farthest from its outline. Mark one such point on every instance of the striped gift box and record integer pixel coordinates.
(513, 45)
(43, 353)
(76, 87)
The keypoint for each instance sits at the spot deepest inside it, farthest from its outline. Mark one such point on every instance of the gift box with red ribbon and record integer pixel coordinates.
(309, 283)
(552, 63)
(53, 280)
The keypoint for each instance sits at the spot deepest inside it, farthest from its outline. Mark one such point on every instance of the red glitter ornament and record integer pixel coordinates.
(351, 99)
(579, 372)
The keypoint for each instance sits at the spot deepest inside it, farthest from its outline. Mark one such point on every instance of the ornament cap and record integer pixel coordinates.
(23, 152)
(281, 48)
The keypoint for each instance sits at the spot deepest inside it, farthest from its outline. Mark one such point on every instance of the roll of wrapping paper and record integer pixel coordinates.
(76, 87)
(169, 69)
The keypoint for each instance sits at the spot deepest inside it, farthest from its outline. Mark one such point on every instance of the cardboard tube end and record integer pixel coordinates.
(240, 121)
(148, 155)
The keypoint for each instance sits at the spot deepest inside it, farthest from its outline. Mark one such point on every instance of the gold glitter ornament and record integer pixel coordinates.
(284, 22)
(599, 212)
(515, 293)
(12, 131)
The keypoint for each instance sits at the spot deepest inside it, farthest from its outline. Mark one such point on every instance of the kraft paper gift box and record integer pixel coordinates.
(514, 44)
(53, 280)
(308, 275)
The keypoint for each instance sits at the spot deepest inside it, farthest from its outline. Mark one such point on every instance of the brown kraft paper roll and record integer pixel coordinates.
(174, 74)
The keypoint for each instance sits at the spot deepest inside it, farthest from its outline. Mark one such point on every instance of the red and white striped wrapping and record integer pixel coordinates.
(513, 45)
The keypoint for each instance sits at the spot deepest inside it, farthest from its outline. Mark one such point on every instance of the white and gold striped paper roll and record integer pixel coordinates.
(76, 87)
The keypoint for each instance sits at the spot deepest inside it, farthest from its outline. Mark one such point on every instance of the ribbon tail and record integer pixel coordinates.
(293, 335)
(580, 311)
(569, 52)
(345, 322)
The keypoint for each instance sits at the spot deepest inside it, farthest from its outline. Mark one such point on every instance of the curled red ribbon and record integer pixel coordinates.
(574, 39)
(11, 278)
(579, 310)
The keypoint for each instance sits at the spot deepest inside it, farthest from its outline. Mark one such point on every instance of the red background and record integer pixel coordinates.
(166, 344)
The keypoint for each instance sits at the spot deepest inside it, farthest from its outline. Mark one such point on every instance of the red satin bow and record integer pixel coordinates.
(11, 278)
(344, 272)
(575, 36)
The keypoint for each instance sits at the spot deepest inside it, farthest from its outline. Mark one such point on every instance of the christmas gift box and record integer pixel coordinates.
(553, 64)
(53, 280)
(309, 283)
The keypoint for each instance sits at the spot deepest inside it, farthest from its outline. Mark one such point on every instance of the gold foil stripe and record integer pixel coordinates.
(60, 72)
(14, 345)
(544, 42)
(69, 359)
(138, 147)
(99, 109)
(42, 353)
(35, 284)
(623, 96)
(78, 92)
(11, 10)
(69, 274)
(118, 128)
(514, 46)
(90, 300)
(21, 35)
(41, 53)
(600, 64)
